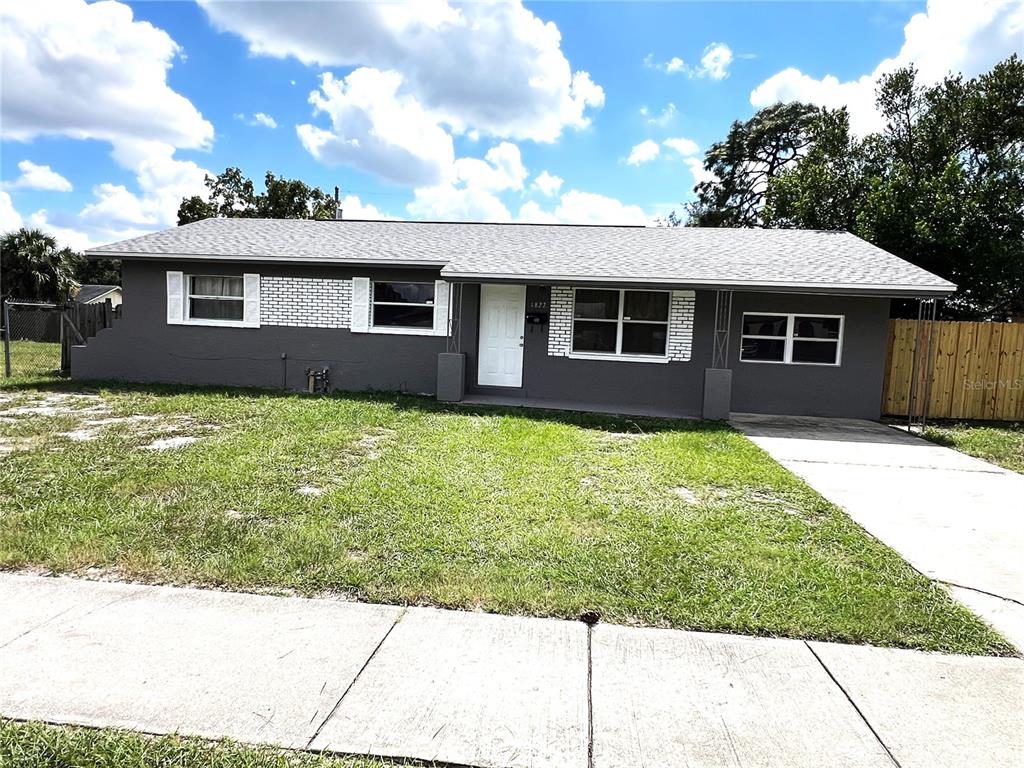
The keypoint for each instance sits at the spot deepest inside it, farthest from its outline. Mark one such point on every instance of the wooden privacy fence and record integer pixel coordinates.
(976, 369)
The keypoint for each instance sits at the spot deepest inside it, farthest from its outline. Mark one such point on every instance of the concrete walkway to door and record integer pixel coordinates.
(957, 519)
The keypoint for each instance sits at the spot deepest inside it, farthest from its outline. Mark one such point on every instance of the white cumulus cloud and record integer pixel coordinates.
(643, 152)
(667, 115)
(162, 180)
(714, 63)
(949, 36)
(10, 219)
(547, 184)
(530, 212)
(469, 189)
(258, 119)
(494, 68)
(378, 129)
(90, 71)
(354, 208)
(577, 207)
(689, 151)
(675, 64)
(265, 120)
(682, 145)
(40, 177)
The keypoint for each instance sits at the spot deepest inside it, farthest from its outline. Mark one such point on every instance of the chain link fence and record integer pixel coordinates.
(32, 339)
(37, 338)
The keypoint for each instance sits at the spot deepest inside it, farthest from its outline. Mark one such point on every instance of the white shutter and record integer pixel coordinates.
(440, 308)
(360, 320)
(175, 298)
(251, 291)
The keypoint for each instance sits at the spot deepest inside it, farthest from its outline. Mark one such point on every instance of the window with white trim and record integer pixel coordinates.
(402, 305)
(216, 297)
(621, 322)
(791, 338)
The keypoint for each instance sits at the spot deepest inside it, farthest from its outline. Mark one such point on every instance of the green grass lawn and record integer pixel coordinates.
(33, 358)
(400, 499)
(35, 745)
(1002, 444)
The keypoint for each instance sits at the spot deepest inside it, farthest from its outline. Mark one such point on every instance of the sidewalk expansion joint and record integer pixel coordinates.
(53, 618)
(418, 762)
(354, 679)
(980, 591)
(853, 704)
(896, 466)
(590, 696)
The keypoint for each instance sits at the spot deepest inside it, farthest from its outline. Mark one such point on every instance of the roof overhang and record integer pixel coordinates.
(764, 286)
(265, 259)
(761, 286)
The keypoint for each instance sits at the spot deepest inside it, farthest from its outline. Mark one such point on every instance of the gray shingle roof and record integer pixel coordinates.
(681, 256)
(88, 292)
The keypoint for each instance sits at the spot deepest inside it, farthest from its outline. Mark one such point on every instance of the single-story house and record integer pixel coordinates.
(668, 321)
(97, 294)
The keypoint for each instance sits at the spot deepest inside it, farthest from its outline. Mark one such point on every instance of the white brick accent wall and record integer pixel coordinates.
(680, 323)
(560, 321)
(308, 302)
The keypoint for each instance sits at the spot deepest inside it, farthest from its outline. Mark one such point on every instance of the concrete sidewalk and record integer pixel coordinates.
(482, 690)
(956, 518)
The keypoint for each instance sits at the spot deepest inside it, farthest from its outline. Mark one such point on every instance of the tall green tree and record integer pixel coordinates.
(33, 268)
(941, 185)
(233, 195)
(746, 161)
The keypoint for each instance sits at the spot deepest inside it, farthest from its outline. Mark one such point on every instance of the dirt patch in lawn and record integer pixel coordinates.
(50, 419)
(372, 442)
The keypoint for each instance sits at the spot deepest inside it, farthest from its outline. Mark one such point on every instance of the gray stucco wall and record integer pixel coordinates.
(143, 347)
(669, 387)
(852, 389)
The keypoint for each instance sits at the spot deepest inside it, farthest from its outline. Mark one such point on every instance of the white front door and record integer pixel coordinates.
(502, 325)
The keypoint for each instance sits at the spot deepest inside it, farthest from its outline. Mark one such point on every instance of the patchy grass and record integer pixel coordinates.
(400, 499)
(1002, 444)
(35, 745)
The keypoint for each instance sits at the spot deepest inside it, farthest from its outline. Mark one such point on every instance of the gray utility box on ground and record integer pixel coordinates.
(717, 393)
(451, 376)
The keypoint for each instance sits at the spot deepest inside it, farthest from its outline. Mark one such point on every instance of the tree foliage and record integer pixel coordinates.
(33, 268)
(744, 164)
(97, 271)
(941, 185)
(233, 195)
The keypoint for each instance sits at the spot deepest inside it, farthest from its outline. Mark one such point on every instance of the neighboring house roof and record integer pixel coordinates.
(89, 293)
(744, 259)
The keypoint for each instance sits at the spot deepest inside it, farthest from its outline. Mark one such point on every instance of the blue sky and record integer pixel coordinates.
(545, 112)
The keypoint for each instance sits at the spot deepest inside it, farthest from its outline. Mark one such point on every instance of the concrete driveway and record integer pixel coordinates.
(955, 518)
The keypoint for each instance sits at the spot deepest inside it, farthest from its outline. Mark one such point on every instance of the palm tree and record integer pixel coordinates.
(33, 268)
